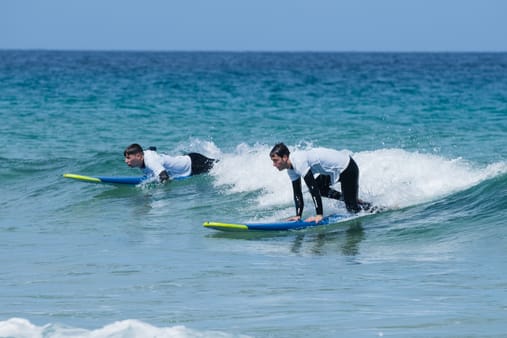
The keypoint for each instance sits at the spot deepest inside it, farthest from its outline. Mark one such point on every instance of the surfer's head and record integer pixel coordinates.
(280, 156)
(280, 149)
(134, 156)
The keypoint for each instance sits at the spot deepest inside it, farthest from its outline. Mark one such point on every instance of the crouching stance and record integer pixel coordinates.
(331, 166)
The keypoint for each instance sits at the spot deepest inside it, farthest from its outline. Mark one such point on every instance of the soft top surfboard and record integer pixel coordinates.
(132, 180)
(277, 226)
(129, 180)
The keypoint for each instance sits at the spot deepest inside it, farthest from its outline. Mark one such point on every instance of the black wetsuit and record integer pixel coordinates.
(200, 163)
(321, 187)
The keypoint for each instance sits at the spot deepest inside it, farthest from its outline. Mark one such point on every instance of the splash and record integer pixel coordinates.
(19, 327)
(397, 178)
(249, 169)
(392, 178)
(207, 148)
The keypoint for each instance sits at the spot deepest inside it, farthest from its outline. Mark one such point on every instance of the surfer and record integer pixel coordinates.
(332, 166)
(166, 167)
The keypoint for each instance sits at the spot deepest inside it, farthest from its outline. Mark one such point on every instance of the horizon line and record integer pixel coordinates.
(249, 51)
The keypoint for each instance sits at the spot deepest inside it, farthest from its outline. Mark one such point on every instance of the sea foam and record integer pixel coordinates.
(23, 328)
(392, 178)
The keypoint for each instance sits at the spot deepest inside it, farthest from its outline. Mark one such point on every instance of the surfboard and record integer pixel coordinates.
(277, 226)
(130, 180)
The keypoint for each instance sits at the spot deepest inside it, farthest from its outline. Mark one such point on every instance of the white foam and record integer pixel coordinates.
(22, 328)
(391, 178)
(207, 148)
(249, 169)
(398, 178)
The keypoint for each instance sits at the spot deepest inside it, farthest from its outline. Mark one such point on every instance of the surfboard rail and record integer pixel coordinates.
(128, 180)
(276, 225)
(131, 180)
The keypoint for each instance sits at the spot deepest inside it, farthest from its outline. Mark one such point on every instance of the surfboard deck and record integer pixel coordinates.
(277, 226)
(129, 180)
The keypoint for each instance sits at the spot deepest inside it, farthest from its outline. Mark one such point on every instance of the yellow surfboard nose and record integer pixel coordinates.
(82, 178)
(225, 226)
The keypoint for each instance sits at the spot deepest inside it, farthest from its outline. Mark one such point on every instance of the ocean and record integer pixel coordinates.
(428, 131)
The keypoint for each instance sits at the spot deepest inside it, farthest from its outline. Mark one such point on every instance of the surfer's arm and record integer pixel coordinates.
(153, 163)
(298, 199)
(314, 190)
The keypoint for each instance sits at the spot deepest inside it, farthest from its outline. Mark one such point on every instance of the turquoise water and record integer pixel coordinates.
(80, 260)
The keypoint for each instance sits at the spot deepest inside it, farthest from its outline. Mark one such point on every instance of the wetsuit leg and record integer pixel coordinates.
(349, 180)
(200, 163)
(324, 184)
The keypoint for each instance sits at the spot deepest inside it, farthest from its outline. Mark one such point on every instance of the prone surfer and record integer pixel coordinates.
(166, 167)
(333, 166)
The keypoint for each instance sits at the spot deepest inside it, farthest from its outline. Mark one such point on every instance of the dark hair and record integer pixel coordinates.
(280, 149)
(133, 149)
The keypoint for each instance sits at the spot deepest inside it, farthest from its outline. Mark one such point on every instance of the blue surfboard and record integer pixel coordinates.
(130, 180)
(277, 226)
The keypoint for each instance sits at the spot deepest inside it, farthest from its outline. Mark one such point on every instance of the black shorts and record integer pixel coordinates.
(200, 163)
(349, 180)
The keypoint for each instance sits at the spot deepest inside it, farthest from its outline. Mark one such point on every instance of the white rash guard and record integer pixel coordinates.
(175, 166)
(321, 161)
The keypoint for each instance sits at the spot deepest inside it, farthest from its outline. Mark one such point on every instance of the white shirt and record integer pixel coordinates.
(176, 166)
(321, 161)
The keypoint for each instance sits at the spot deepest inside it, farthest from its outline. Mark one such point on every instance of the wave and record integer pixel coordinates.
(20, 327)
(392, 178)
(248, 184)
(397, 178)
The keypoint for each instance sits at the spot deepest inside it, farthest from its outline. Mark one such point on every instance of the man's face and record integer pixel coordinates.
(134, 160)
(280, 163)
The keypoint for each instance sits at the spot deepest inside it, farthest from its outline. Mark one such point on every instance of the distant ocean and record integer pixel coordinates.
(428, 131)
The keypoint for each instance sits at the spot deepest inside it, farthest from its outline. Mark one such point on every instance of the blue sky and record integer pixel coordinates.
(256, 25)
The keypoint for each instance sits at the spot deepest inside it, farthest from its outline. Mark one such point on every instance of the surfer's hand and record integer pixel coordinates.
(316, 219)
(294, 218)
(163, 176)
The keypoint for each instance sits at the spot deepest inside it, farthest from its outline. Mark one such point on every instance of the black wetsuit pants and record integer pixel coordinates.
(200, 163)
(349, 180)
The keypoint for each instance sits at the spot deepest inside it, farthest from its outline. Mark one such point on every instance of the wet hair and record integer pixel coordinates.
(133, 149)
(280, 149)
